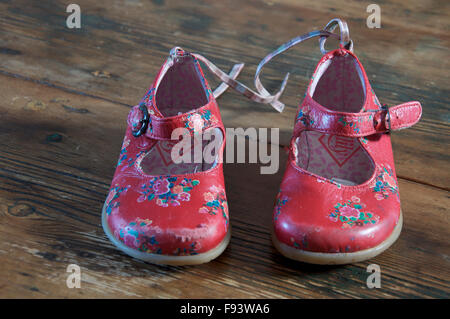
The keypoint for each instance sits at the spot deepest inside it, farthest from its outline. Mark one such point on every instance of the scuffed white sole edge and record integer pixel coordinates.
(337, 258)
(166, 259)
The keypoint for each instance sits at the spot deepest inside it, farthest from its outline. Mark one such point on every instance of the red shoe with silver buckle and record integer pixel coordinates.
(159, 209)
(339, 200)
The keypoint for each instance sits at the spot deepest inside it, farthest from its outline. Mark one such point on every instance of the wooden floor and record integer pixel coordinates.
(65, 95)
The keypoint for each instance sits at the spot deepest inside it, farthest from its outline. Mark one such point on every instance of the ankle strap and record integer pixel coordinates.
(161, 128)
(229, 80)
(345, 40)
(315, 117)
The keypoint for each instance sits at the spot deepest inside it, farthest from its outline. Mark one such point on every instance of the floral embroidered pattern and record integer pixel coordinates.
(148, 100)
(192, 250)
(197, 121)
(385, 183)
(350, 124)
(216, 203)
(304, 118)
(148, 96)
(280, 202)
(134, 235)
(113, 197)
(351, 214)
(123, 156)
(123, 151)
(168, 190)
(128, 160)
(302, 245)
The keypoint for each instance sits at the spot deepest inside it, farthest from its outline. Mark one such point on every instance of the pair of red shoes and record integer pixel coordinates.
(338, 202)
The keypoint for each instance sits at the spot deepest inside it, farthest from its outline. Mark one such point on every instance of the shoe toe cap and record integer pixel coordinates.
(329, 227)
(187, 225)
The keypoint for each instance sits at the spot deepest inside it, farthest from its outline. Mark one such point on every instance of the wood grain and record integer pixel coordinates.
(52, 191)
(118, 49)
(65, 95)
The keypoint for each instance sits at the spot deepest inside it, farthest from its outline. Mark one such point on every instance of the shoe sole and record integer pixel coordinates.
(311, 257)
(166, 259)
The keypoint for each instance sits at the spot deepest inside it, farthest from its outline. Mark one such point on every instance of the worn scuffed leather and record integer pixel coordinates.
(173, 214)
(319, 214)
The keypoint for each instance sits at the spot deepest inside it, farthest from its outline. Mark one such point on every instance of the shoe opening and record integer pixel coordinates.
(338, 158)
(182, 87)
(339, 84)
(203, 155)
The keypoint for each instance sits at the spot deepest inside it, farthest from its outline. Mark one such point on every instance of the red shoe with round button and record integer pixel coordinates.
(167, 203)
(159, 210)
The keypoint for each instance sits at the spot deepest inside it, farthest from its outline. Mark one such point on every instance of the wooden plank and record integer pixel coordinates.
(57, 157)
(118, 50)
